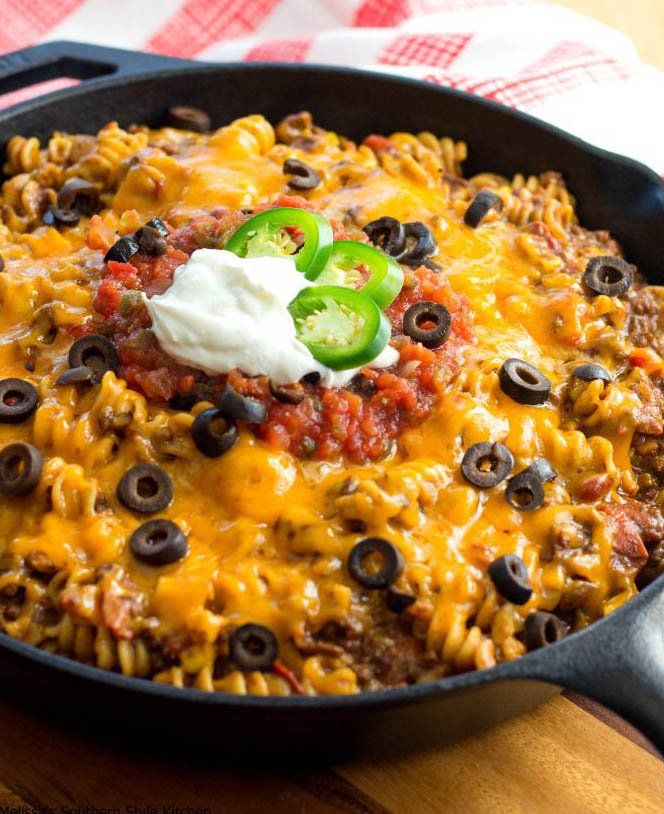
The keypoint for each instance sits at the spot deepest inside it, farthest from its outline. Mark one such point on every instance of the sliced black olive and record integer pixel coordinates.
(543, 469)
(591, 372)
(486, 464)
(145, 488)
(611, 276)
(524, 491)
(510, 576)
(188, 118)
(78, 375)
(208, 440)
(524, 383)
(183, 401)
(54, 216)
(388, 234)
(150, 241)
(253, 647)
(428, 323)
(363, 386)
(2, 263)
(397, 601)
(158, 542)
(79, 194)
(480, 206)
(303, 176)
(96, 352)
(542, 629)
(423, 244)
(20, 469)
(242, 408)
(122, 250)
(288, 393)
(312, 378)
(18, 400)
(159, 225)
(375, 562)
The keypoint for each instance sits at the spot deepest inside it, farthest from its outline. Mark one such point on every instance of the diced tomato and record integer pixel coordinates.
(327, 422)
(377, 143)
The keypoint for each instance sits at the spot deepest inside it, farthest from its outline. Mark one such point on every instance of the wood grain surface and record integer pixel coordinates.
(567, 756)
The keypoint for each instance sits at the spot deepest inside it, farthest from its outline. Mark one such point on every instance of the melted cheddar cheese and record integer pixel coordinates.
(268, 532)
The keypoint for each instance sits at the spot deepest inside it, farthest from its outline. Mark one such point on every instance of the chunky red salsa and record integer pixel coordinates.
(360, 422)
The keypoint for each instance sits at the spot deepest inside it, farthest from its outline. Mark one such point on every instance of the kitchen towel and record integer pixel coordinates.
(558, 65)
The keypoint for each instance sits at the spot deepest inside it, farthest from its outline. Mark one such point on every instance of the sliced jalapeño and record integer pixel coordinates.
(341, 327)
(269, 234)
(385, 279)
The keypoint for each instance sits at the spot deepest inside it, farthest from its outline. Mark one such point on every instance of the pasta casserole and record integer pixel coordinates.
(281, 413)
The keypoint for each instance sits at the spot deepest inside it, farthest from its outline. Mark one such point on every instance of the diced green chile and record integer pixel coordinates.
(385, 274)
(314, 254)
(342, 328)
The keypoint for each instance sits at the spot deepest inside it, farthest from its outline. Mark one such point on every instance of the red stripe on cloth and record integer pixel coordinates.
(530, 90)
(563, 52)
(25, 23)
(287, 50)
(41, 88)
(198, 24)
(382, 13)
(436, 50)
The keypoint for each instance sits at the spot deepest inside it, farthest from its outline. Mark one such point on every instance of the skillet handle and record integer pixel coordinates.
(76, 60)
(618, 662)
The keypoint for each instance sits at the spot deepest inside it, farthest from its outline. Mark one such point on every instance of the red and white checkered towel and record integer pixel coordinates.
(558, 65)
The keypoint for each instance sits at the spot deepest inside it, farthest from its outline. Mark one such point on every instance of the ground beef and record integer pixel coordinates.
(646, 317)
(384, 652)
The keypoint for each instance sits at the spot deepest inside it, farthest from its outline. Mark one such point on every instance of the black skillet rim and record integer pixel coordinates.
(531, 666)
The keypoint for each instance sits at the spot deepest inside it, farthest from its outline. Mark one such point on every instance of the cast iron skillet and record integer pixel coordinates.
(618, 661)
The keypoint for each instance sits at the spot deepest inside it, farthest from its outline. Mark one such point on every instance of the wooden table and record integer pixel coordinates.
(642, 20)
(567, 756)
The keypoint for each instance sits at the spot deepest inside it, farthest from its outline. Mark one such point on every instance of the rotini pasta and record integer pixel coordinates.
(266, 535)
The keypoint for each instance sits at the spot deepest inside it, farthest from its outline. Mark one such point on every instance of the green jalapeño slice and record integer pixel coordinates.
(267, 234)
(341, 327)
(385, 274)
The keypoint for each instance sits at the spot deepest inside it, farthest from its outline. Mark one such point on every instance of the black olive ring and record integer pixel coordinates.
(610, 276)
(543, 469)
(78, 375)
(422, 312)
(386, 233)
(524, 491)
(18, 400)
(303, 176)
(95, 352)
(210, 442)
(390, 566)
(523, 383)
(480, 206)
(80, 195)
(122, 250)
(188, 118)
(145, 488)
(542, 629)
(242, 408)
(150, 241)
(510, 576)
(591, 372)
(397, 601)
(158, 542)
(20, 469)
(253, 647)
(486, 464)
(423, 247)
(55, 216)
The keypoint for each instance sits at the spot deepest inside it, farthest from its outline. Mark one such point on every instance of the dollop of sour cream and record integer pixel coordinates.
(224, 312)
